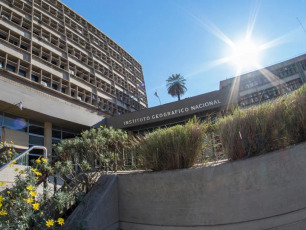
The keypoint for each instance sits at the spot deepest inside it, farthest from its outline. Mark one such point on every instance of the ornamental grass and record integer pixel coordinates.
(269, 126)
(173, 148)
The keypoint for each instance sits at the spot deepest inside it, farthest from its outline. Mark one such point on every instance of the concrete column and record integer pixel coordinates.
(48, 138)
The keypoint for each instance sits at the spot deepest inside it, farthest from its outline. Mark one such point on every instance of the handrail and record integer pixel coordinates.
(25, 153)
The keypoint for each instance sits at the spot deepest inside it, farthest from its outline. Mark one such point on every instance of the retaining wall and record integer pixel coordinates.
(265, 192)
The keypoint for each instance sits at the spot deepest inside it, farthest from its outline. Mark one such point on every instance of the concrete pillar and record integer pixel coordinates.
(48, 138)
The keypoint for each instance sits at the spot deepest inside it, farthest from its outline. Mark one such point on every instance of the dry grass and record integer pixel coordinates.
(266, 127)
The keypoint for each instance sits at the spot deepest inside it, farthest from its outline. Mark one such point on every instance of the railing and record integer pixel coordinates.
(25, 153)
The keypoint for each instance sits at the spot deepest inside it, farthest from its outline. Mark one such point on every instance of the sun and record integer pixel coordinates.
(245, 54)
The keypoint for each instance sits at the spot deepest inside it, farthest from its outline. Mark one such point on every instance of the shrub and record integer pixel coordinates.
(22, 207)
(173, 148)
(7, 152)
(95, 148)
(266, 127)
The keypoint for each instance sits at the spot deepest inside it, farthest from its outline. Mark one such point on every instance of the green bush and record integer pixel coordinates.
(173, 148)
(266, 127)
(95, 148)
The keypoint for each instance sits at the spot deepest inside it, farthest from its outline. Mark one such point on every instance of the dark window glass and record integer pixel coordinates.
(72, 94)
(54, 62)
(63, 67)
(68, 135)
(34, 140)
(22, 46)
(35, 53)
(56, 134)
(15, 21)
(54, 86)
(2, 36)
(34, 77)
(22, 73)
(14, 42)
(15, 123)
(36, 32)
(10, 67)
(36, 129)
(25, 26)
(44, 57)
(63, 90)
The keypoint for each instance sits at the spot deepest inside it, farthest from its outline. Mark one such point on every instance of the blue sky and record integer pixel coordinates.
(185, 36)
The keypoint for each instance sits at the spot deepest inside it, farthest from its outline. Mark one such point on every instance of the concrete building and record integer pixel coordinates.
(269, 82)
(248, 89)
(65, 72)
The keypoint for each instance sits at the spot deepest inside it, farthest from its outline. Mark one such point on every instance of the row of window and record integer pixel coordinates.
(260, 79)
(270, 93)
(44, 78)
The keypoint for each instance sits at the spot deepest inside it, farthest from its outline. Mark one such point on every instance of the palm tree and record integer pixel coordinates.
(176, 86)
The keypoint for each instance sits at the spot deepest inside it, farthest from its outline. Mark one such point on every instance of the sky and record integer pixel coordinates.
(195, 38)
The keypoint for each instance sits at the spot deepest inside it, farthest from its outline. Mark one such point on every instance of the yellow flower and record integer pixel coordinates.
(38, 161)
(65, 187)
(2, 183)
(21, 172)
(14, 162)
(10, 152)
(41, 213)
(38, 173)
(16, 169)
(11, 165)
(30, 188)
(33, 193)
(0, 205)
(30, 200)
(1, 199)
(44, 160)
(3, 212)
(49, 223)
(60, 221)
(81, 133)
(36, 178)
(12, 142)
(101, 126)
(35, 206)
(8, 192)
(10, 149)
(34, 170)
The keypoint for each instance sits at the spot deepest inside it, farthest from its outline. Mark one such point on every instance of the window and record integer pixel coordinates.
(54, 62)
(63, 90)
(67, 135)
(34, 78)
(15, 123)
(25, 26)
(22, 46)
(34, 129)
(56, 134)
(2, 36)
(10, 67)
(14, 42)
(54, 86)
(36, 32)
(22, 73)
(44, 57)
(35, 53)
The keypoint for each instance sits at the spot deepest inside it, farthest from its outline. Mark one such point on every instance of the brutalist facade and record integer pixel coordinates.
(65, 71)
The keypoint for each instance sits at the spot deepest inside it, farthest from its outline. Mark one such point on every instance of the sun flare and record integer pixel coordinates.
(245, 54)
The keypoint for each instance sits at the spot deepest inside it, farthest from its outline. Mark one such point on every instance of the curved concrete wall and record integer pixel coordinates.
(265, 192)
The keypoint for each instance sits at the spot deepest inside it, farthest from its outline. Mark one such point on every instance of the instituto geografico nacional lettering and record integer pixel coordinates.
(172, 112)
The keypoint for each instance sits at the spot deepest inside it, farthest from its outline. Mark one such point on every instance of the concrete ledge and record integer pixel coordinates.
(99, 210)
(258, 193)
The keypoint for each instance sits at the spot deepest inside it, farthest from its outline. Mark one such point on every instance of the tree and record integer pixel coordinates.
(176, 85)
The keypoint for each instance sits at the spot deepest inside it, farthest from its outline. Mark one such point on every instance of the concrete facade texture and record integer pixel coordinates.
(264, 192)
